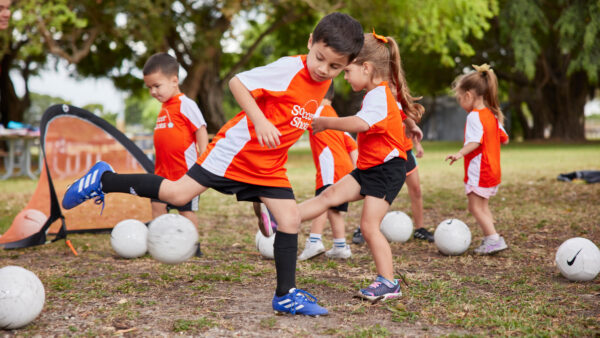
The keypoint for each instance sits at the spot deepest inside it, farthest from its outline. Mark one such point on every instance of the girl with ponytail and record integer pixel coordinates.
(477, 93)
(381, 169)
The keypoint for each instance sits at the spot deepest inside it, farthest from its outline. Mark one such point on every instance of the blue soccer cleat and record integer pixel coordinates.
(298, 302)
(87, 187)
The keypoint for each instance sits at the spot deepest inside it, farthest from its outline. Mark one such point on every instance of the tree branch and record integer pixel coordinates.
(77, 53)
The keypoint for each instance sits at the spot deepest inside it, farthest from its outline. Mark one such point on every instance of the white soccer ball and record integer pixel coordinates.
(129, 238)
(22, 297)
(578, 259)
(172, 238)
(452, 237)
(265, 245)
(396, 226)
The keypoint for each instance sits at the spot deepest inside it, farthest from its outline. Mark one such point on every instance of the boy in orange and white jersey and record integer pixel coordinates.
(248, 154)
(180, 133)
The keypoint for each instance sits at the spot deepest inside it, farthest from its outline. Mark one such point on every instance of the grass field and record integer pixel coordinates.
(228, 291)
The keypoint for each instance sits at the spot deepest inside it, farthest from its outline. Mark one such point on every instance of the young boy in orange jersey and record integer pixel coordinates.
(248, 154)
(334, 153)
(180, 132)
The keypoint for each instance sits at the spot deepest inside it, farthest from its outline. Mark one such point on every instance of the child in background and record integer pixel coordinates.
(380, 171)
(334, 153)
(413, 183)
(180, 132)
(247, 156)
(477, 94)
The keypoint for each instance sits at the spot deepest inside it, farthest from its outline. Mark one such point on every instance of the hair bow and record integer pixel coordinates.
(483, 68)
(379, 37)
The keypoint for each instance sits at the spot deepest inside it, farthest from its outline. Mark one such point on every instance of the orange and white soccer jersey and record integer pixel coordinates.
(384, 139)
(175, 138)
(289, 97)
(482, 165)
(331, 151)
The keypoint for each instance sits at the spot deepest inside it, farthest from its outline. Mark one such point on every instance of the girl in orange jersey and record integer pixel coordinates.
(380, 171)
(477, 93)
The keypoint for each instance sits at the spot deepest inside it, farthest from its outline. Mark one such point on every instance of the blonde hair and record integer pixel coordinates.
(485, 83)
(384, 54)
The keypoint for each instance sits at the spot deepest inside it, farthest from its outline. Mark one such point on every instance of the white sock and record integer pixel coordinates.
(314, 238)
(493, 237)
(339, 242)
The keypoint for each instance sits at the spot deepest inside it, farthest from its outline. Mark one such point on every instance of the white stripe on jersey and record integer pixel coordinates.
(474, 170)
(220, 157)
(327, 165)
(190, 109)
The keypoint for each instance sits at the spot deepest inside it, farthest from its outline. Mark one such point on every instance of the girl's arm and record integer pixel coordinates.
(413, 129)
(201, 139)
(266, 133)
(469, 147)
(354, 157)
(351, 124)
(418, 148)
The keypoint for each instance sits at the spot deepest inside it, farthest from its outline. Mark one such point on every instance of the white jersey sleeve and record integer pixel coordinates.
(190, 109)
(374, 107)
(274, 77)
(474, 128)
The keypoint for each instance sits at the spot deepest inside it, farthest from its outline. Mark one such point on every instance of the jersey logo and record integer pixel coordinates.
(303, 115)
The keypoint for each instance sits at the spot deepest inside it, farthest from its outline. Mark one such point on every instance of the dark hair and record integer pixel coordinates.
(341, 32)
(386, 61)
(484, 82)
(330, 92)
(162, 62)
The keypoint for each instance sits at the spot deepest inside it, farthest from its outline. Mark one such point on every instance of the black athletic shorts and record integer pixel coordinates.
(243, 191)
(341, 207)
(411, 162)
(382, 181)
(190, 206)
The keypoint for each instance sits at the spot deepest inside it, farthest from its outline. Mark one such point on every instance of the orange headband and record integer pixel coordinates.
(379, 37)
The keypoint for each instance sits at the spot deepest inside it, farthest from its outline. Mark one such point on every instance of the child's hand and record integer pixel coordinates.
(317, 125)
(415, 132)
(454, 158)
(418, 148)
(267, 134)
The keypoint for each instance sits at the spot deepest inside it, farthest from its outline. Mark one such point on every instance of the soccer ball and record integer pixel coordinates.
(578, 259)
(396, 226)
(265, 245)
(129, 238)
(22, 297)
(30, 222)
(172, 238)
(452, 237)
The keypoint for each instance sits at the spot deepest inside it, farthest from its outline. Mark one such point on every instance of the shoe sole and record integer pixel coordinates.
(375, 299)
(311, 257)
(491, 252)
(283, 313)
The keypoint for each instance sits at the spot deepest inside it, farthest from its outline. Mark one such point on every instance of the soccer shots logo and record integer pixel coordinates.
(304, 115)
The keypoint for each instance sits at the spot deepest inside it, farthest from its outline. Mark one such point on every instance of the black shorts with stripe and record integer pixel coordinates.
(382, 181)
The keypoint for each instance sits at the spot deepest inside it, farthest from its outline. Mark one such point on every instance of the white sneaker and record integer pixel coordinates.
(342, 253)
(311, 250)
(490, 246)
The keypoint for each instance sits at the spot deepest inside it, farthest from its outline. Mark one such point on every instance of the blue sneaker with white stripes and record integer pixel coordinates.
(298, 302)
(380, 289)
(87, 187)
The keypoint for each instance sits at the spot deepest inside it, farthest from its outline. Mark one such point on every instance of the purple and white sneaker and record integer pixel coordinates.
(490, 246)
(380, 289)
(266, 222)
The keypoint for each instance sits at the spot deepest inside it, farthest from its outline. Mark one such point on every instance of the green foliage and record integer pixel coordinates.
(142, 110)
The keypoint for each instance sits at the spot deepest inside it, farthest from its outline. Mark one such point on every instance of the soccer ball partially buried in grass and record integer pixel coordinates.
(578, 259)
(396, 226)
(265, 245)
(129, 238)
(22, 297)
(452, 237)
(172, 238)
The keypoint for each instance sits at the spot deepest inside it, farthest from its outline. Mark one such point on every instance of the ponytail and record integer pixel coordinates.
(398, 80)
(485, 84)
